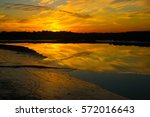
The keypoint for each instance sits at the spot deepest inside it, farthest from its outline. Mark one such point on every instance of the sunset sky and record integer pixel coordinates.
(75, 15)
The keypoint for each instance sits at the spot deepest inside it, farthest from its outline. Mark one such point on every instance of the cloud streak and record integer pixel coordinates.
(120, 1)
(134, 3)
(27, 7)
(140, 13)
(75, 15)
(24, 7)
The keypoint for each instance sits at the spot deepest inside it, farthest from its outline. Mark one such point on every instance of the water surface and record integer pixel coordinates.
(121, 69)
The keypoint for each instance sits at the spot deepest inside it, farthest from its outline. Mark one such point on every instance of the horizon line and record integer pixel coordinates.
(75, 32)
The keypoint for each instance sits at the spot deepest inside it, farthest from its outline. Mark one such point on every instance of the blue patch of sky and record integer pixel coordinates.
(58, 3)
(119, 1)
(14, 13)
(109, 9)
(125, 8)
(18, 1)
(132, 8)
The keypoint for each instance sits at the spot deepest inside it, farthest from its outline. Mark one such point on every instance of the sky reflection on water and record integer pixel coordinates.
(97, 57)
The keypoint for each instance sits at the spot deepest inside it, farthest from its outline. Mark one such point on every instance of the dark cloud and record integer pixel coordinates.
(27, 7)
(3, 20)
(120, 1)
(76, 14)
(140, 13)
(23, 21)
(6, 20)
(24, 7)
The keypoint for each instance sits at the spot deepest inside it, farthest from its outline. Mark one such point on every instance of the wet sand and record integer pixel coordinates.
(27, 76)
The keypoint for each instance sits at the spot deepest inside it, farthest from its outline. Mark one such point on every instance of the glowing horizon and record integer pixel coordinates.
(75, 15)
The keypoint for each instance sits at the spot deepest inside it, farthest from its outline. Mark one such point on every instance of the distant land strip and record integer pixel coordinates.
(139, 38)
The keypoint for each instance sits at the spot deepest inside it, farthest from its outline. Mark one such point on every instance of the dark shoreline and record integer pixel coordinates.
(139, 38)
(21, 49)
(121, 43)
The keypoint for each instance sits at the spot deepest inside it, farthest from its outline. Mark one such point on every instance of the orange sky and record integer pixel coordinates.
(75, 15)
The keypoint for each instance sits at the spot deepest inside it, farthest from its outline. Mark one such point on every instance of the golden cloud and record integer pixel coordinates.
(79, 15)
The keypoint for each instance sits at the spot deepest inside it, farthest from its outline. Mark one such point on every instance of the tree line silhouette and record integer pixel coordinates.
(71, 37)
